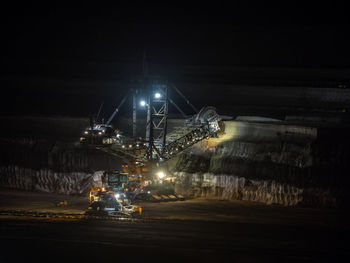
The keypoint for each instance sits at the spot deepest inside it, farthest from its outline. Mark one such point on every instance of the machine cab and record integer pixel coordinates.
(115, 180)
(99, 134)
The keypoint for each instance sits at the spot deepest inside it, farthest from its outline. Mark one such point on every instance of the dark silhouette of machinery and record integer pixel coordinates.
(144, 156)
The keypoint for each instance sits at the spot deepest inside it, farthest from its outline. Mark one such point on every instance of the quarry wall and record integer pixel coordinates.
(269, 163)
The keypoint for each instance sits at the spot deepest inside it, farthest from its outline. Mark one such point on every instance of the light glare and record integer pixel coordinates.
(161, 174)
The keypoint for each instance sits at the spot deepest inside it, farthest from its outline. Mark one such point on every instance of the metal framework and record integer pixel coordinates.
(186, 141)
(157, 117)
(156, 90)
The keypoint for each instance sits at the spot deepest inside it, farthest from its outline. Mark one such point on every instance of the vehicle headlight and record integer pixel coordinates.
(117, 196)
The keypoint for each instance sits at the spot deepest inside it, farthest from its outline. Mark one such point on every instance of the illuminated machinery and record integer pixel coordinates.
(113, 182)
(104, 133)
(147, 175)
(99, 134)
(153, 95)
(94, 193)
(144, 157)
(159, 146)
(203, 125)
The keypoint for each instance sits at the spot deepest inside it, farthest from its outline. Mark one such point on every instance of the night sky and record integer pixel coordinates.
(66, 60)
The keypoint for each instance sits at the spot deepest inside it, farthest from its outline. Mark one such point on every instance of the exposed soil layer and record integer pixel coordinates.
(271, 162)
(267, 163)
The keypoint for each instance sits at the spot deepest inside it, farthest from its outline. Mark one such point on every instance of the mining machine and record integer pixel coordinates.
(145, 158)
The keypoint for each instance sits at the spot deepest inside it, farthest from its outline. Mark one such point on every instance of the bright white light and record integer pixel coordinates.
(99, 133)
(161, 174)
(157, 95)
(148, 192)
(118, 135)
(117, 196)
(86, 132)
(143, 103)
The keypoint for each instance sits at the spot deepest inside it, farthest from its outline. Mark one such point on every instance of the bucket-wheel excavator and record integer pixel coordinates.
(144, 158)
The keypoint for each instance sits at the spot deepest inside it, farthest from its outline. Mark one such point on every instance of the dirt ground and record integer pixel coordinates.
(195, 209)
(192, 230)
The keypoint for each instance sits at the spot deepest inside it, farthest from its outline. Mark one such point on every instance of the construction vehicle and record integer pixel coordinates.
(112, 197)
(100, 134)
(104, 133)
(114, 183)
(106, 204)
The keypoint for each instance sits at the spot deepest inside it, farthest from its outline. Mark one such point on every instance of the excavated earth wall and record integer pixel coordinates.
(268, 163)
(271, 163)
(51, 166)
(44, 154)
(46, 180)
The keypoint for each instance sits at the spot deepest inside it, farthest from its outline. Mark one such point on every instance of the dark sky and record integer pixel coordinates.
(54, 53)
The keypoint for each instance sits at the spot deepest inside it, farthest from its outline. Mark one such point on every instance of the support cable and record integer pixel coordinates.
(183, 96)
(116, 110)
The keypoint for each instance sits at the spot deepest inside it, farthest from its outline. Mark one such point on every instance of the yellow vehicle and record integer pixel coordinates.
(105, 203)
(94, 193)
(113, 182)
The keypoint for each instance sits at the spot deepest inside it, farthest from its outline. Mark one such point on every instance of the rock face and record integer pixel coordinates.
(47, 180)
(230, 187)
(54, 155)
(272, 164)
(52, 166)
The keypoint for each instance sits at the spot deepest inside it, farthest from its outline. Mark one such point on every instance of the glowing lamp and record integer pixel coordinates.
(161, 174)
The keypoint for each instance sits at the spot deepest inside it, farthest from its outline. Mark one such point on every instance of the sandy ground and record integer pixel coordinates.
(193, 230)
(41, 202)
(195, 209)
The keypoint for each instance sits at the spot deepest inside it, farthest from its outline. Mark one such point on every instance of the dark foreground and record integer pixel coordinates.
(195, 230)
